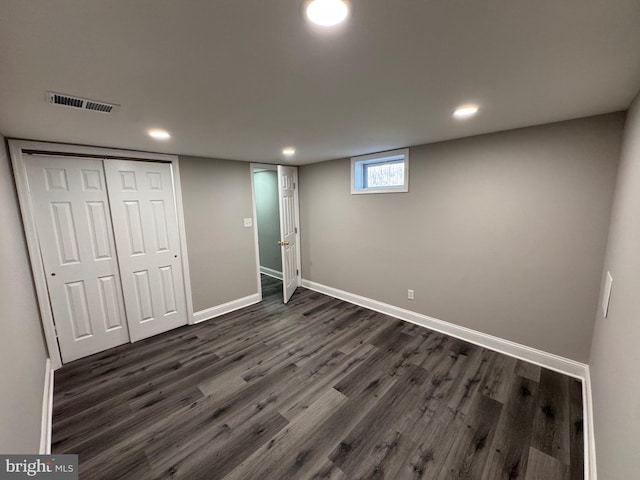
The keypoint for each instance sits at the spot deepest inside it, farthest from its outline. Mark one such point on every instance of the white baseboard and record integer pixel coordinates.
(228, 307)
(590, 470)
(47, 410)
(507, 347)
(522, 352)
(271, 272)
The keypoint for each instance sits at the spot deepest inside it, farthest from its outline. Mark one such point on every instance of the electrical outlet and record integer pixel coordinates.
(410, 294)
(248, 222)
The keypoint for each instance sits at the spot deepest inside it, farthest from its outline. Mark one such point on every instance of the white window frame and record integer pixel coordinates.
(358, 165)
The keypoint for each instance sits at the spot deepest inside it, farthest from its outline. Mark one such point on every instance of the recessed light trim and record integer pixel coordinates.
(288, 151)
(327, 13)
(466, 111)
(159, 134)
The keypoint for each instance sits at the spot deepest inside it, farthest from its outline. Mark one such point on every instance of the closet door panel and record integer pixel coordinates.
(73, 223)
(144, 217)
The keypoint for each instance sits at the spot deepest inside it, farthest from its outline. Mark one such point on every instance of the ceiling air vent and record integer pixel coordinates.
(79, 102)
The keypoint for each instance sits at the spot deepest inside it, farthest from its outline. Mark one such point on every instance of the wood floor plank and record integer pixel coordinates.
(280, 456)
(133, 377)
(189, 428)
(551, 428)
(434, 347)
(435, 441)
(221, 453)
(528, 370)
(461, 397)
(435, 393)
(470, 451)
(367, 436)
(118, 440)
(327, 471)
(509, 451)
(497, 381)
(131, 463)
(372, 323)
(387, 457)
(315, 389)
(576, 440)
(73, 429)
(545, 467)
(318, 444)
(382, 363)
(312, 383)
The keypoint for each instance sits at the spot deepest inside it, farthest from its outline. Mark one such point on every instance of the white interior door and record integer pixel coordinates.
(78, 252)
(148, 242)
(287, 177)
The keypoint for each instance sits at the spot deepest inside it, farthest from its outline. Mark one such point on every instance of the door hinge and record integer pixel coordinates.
(55, 331)
(294, 185)
(296, 230)
(297, 272)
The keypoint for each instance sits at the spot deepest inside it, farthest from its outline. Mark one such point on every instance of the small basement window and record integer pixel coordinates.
(385, 172)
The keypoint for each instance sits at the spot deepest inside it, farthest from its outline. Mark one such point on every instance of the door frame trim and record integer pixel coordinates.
(274, 167)
(296, 196)
(256, 246)
(18, 148)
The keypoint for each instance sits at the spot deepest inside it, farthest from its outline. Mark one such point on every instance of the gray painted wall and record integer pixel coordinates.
(222, 263)
(502, 233)
(268, 219)
(615, 355)
(23, 352)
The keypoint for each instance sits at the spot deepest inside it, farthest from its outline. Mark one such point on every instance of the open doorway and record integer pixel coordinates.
(265, 187)
(276, 215)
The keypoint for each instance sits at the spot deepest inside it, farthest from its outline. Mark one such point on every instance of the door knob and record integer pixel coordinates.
(281, 243)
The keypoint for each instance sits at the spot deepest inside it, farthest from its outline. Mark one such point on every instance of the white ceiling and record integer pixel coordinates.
(241, 79)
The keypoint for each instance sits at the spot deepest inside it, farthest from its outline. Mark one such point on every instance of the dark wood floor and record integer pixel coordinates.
(316, 389)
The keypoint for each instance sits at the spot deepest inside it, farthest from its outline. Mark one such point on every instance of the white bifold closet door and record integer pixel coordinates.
(73, 224)
(143, 209)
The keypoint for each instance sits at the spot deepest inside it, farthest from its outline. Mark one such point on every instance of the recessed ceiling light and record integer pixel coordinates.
(159, 134)
(289, 151)
(465, 111)
(327, 12)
